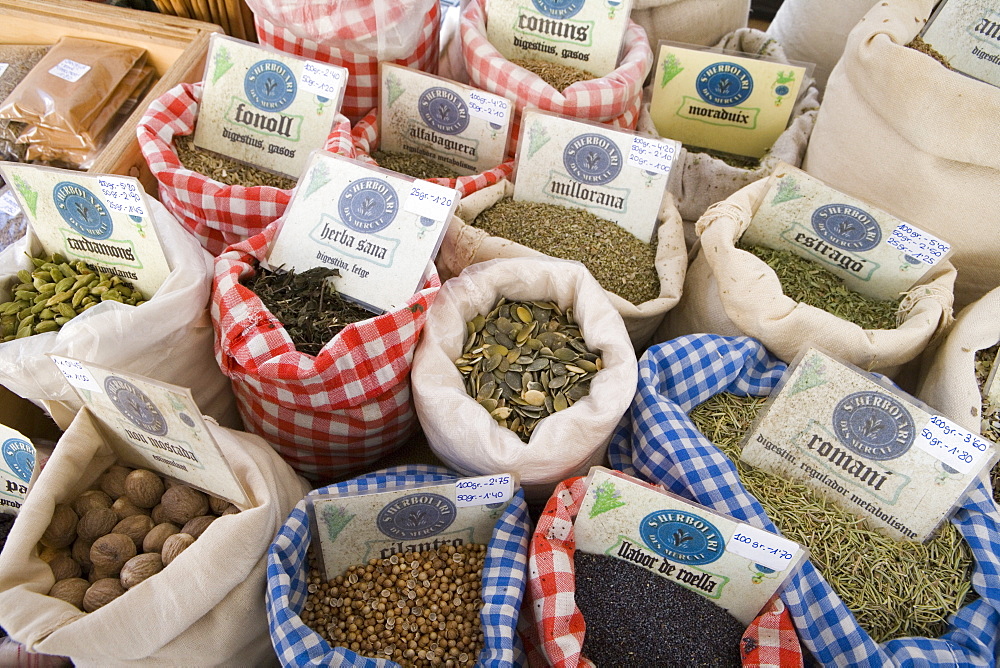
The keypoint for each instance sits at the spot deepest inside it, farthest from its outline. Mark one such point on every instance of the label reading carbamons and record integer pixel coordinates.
(873, 451)
(874, 253)
(967, 34)
(265, 108)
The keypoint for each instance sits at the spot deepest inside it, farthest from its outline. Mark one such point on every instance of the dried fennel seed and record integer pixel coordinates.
(617, 259)
(558, 76)
(417, 166)
(807, 282)
(894, 588)
(225, 170)
(415, 608)
(307, 304)
(990, 427)
(525, 361)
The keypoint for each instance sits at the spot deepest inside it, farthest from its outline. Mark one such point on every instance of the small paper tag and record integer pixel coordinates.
(918, 244)
(323, 79)
(122, 195)
(492, 108)
(8, 204)
(3, 68)
(654, 155)
(76, 374)
(764, 548)
(954, 446)
(430, 200)
(69, 70)
(483, 490)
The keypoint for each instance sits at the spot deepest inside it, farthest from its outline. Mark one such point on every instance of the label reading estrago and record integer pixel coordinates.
(615, 174)
(737, 566)
(873, 451)
(967, 34)
(265, 108)
(874, 253)
(585, 34)
(17, 460)
(460, 127)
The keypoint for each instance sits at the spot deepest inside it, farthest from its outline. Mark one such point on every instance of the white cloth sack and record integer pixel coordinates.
(460, 431)
(692, 21)
(169, 338)
(205, 608)
(901, 131)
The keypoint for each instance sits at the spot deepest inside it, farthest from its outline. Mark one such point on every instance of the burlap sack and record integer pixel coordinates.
(169, 338)
(465, 245)
(690, 21)
(563, 444)
(902, 132)
(205, 608)
(732, 292)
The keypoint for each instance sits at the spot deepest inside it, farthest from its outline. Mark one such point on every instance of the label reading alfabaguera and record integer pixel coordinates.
(967, 34)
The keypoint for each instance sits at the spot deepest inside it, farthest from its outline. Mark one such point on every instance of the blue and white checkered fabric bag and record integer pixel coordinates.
(657, 441)
(504, 579)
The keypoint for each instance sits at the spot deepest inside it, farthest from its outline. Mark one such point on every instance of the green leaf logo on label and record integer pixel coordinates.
(29, 194)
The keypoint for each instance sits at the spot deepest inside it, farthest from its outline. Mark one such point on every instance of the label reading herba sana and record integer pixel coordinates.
(967, 34)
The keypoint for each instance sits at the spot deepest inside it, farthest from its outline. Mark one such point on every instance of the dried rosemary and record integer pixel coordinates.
(894, 588)
(417, 166)
(558, 76)
(807, 282)
(990, 427)
(225, 170)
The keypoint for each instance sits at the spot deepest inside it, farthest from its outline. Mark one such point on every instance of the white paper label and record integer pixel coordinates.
(430, 200)
(918, 244)
(8, 204)
(492, 108)
(69, 70)
(654, 155)
(764, 548)
(322, 79)
(76, 374)
(960, 449)
(483, 490)
(3, 68)
(122, 196)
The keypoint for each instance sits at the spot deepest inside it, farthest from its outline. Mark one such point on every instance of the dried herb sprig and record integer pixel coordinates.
(990, 427)
(225, 170)
(894, 588)
(558, 76)
(417, 166)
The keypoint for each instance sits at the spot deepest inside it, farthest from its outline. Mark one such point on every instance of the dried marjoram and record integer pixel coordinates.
(990, 427)
(558, 76)
(307, 304)
(225, 170)
(417, 166)
(894, 588)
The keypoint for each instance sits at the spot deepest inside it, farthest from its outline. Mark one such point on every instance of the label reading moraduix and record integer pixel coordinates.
(593, 167)
(585, 34)
(360, 220)
(722, 102)
(865, 246)
(460, 127)
(102, 220)
(967, 34)
(266, 108)
(737, 566)
(17, 460)
(873, 451)
(351, 529)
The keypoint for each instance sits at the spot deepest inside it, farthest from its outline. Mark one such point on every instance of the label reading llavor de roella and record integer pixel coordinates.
(722, 102)
(873, 451)
(585, 34)
(615, 174)
(967, 34)
(737, 566)
(460, 127)
(874, 253)
(103, 220)
(265, 108)
(17, 460)
(379, 229)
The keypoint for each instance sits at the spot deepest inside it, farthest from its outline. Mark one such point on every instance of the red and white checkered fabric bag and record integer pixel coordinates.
(329, 414)
(366, 138)
(216, 213)
(615, 98)
(342, 36)
(556, 627)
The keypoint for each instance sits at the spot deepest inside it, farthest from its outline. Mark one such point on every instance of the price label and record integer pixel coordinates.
(323, 80)
(69, 70)
(957, 448)
(76, 374)
(122, 195)
(654, 155)
(492, 108)
(8, 204)
(484, 490)
(764, 548)
(430, 200)
(918, 244)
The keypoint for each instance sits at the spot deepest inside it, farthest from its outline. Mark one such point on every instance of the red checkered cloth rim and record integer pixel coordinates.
(328, 414)
(216, 213)
(366, 136)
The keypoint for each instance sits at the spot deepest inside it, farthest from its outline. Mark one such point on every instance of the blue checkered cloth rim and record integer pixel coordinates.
(657, 441)
(504, 579)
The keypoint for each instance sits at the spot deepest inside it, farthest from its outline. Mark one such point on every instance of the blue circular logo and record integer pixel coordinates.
(82, 210)
(592, 159)
(416, 516)
(443, 110)
(368, 205)
(725, 84)
(270, 85)
(558, 9)
(19, 456)
(135, 405)
(781, 90)
(682, 537)
(874, 425)
(846, 227)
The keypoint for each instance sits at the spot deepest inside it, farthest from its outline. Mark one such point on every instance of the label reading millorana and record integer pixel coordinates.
(17, 460)
(874, 253)
(615, 174)
(967, 34)
(736, 565)
(379, 229)
(722, 102)
(874, 451)
(265, 108)
(154, 425)
(103, 220)
(351, 529)
(461, 127)
(586, 34)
